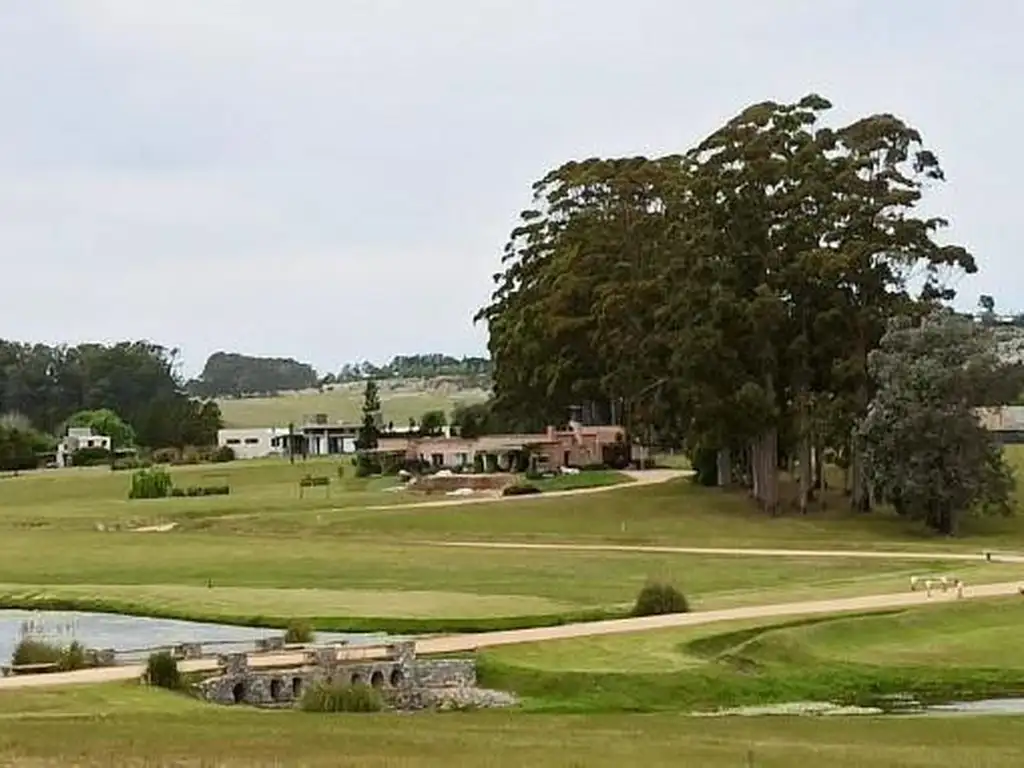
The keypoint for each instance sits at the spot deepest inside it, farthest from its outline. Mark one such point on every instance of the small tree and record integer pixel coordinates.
(368, 431)
(927, 451)
(154, 483)
(162, 671)
(105, 422)
(433, 423)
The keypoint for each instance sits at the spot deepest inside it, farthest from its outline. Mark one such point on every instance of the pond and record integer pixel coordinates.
(985, 707)
(134, 636)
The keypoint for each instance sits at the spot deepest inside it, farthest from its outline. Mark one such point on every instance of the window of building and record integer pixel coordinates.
(252, 441)
(437, 459)
(233, 441)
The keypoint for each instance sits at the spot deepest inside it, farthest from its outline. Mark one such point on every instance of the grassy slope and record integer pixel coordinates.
(344, 404)
(961, 649)
(131, 726)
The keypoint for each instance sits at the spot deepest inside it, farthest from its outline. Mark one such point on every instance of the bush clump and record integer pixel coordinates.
(31, 650)
(162, 671)
(152, 483)
(657, 598)
(334, 697)
(90, 457)
(223, 455)
(314, 481)
(299, 631)
(520, 490)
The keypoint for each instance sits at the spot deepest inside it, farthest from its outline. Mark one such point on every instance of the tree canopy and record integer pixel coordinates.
(726, 297)
(136, 380)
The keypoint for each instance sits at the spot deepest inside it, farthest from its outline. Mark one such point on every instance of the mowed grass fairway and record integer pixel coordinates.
(939, 653)
(131, 726)
(399, 403)
(364, 557)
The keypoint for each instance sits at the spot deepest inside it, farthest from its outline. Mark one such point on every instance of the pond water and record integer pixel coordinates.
(985, 707)
(134, 636)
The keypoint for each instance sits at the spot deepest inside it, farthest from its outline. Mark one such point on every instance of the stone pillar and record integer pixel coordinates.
(404, 655)
(234, 663)
(188, 651)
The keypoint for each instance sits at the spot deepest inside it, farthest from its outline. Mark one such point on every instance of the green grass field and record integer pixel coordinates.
(400, 402)
(939, 653)
(358, 559)
(120, 725)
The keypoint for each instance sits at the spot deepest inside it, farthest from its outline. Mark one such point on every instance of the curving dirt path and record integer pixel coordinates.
(465, 643)
(993, 557)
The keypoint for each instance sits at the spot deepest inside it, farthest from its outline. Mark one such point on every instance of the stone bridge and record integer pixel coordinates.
(404, 681)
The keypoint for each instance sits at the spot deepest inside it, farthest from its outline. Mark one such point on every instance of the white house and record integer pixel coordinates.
(253, 443)
(77, 439)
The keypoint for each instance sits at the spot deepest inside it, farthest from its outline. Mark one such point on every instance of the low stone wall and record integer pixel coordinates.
(404, 681)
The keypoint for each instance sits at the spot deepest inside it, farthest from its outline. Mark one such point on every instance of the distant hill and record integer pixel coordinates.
(228, 374)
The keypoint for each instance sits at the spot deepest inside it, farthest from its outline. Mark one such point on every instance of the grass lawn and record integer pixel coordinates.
(942, 652)
(123, 725)
(590, 479)
(354, 584)
(69, 498)
(344, 404)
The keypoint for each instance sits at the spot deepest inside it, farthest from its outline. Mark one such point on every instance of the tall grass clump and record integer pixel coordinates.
(162, 671)
(299, 631)
(657, 598)
(335, 697)
(32, 650)
(152, 483)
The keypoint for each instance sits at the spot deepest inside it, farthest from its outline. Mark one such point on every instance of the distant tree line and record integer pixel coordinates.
(770, 299)
(228, 374)
(417, 367)
(42, 388)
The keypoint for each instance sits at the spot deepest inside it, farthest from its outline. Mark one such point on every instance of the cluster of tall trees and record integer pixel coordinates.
(42, 387)
(727, 297)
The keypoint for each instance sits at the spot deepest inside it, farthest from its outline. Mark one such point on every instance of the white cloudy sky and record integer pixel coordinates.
(335, 179)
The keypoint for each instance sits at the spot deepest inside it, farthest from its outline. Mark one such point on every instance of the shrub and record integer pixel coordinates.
(130, 462)
(206, 490)
(223, 454)
(152, 483)
(178, 493)
(324, 697)
(520, 490)
(90, 457)
(657, 598)
(73, 657)
(299, 631)
(367, 466)
(31, 650)
(705, 467)
(314, 481)
(162, 671)
(165, 456)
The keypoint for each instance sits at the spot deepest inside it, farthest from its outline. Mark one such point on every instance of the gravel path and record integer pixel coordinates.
(994, 557)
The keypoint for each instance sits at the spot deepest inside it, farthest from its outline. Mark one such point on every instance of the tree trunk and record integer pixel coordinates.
(819, 466)
(771, 451)
(756, 474)
(860, 501)
(724, 468)
(803, 458)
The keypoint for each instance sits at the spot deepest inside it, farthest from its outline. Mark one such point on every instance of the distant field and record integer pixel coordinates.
(400, 401)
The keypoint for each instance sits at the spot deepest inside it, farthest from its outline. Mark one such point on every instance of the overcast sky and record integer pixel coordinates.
(334, 179)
